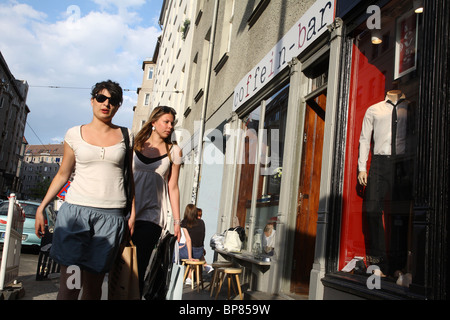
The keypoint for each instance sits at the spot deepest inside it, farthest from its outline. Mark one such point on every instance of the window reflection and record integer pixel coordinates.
(263, 224)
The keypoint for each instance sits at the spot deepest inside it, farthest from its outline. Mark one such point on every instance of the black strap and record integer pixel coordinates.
(148, 160)
(126, 137)
(126, 168)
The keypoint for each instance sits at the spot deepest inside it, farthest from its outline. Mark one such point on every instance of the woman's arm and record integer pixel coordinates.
(188, 243)
(132, 219)
(60, 179)
(174, 196)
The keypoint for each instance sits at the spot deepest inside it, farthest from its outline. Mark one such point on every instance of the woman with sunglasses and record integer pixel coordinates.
(91, 222)
(156, 166)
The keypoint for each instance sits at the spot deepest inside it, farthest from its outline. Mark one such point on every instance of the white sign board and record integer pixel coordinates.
(310, 26)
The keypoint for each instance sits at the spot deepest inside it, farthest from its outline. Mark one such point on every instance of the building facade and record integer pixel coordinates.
(144, 106)
(172, 55)
(293, 137)
(13, 116)
(39, 167)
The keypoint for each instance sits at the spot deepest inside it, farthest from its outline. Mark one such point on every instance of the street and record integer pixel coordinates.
(35, 290)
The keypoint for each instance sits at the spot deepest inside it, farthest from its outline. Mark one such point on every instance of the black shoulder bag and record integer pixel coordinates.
(126, 170)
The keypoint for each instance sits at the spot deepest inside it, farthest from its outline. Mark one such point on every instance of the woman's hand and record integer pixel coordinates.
(177, 231)
(39, 224)
(131, 222)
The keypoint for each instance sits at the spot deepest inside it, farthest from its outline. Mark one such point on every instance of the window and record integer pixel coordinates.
(150, 73)
(225, 35)
(259, 217)
(147, 99)
(259, 8)
(377, 225)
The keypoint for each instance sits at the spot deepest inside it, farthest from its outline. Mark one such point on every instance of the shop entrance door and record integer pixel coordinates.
(308, 194)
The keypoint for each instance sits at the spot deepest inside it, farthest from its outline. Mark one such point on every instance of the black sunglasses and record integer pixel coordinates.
(102, 98)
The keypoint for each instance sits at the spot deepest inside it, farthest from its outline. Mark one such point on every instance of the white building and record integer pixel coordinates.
(144, 105)
(173, 55)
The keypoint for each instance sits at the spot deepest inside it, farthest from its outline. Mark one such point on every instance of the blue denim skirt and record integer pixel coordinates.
(197, 252)
(87, 237)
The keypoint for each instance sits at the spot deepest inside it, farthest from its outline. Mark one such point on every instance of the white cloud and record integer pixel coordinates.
(99, 45)
(119, 3)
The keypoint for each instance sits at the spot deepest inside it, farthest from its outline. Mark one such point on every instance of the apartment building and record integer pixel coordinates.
(172, 55)
(13, 117)
(40, 165)
(144, 102)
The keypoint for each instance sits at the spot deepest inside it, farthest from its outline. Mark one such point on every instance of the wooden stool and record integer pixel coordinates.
(195, 265)
(230, 272)
(218, 269)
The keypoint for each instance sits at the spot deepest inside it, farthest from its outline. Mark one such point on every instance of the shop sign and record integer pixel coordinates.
(310, 26)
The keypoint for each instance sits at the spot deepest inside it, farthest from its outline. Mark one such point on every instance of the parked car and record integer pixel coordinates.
(29, 237)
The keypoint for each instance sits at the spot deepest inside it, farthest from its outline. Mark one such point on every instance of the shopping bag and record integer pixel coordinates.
(158, 273)
(217, 240)
(175, 287)
(123, 280)
(232, 241)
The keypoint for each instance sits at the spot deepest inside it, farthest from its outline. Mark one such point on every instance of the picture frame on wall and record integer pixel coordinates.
(406, 44)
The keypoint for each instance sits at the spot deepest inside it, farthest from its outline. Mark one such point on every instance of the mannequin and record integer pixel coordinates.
(387, 190)
(394, 95)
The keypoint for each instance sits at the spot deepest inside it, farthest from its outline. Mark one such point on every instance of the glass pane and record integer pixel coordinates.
(4, 208)
(271, 173)
(377, 199)
(30, 210)
(247, 162)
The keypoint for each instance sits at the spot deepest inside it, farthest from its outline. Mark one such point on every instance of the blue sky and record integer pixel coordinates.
(74, 44)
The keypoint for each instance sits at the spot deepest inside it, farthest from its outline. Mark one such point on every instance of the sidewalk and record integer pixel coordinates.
(47, 289)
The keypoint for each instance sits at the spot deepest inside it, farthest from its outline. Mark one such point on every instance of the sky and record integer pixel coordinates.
(72, 45)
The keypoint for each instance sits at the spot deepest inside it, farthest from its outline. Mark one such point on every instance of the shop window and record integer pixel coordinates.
(377, 220)
(259, 218)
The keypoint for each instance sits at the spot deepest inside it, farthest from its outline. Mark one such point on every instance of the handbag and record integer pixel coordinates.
(175, 288)
(123, 280)
(232, 241)
(158, 273)
(217, 240)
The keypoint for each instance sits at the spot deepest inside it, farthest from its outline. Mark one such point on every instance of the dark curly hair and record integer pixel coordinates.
(113, 88)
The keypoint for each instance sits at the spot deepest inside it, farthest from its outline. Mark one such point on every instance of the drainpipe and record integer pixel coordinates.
(198, 159)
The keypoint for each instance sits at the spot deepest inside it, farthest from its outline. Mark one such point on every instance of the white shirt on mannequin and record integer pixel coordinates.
(378, 120)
